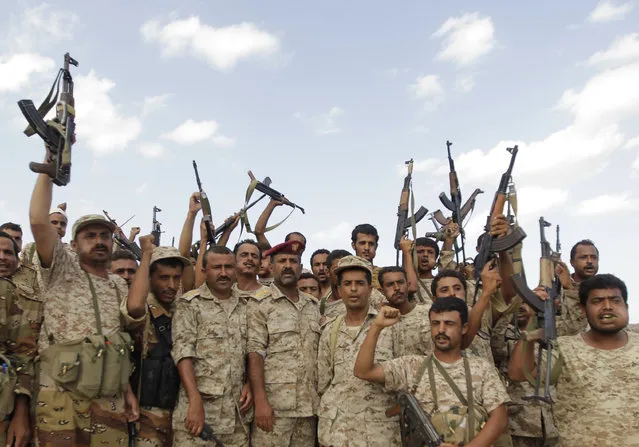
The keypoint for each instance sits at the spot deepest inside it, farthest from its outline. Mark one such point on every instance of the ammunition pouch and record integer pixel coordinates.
(453, 424)
(8, 381)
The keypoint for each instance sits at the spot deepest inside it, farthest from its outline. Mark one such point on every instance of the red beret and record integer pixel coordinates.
(290, 247)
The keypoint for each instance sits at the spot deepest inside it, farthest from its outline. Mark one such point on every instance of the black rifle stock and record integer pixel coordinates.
(415, 426)
(57, 133)
(545, 309)
(403, 221)
(123, 242)
(157, 227)
(206, 207)
(208, 435)
(273, 194)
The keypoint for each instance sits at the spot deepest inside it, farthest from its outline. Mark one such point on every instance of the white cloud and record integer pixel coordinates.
(606, 11)
(337, 235)
(533, 200)
(191, 132)
(325, 123)
(222, 48)
(605, 204)
(635, 164)
(426, 165)
(153, 103)
(624, 49)
(223, 142)
(465, 83)
(429, 89)
(40, 26)
(152, 150)
(466, 39)
(16, 69)
(100, 123)
(632, 143)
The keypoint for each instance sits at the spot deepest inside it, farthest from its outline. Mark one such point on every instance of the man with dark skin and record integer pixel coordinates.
(309, 283)
(331, 304)
(124, 264)
(248, 260)
(265, 273)
(15, 231)
(319, 267)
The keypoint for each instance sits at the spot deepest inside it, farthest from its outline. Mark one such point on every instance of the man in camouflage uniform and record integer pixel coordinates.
(165, 275)
(364, 240)
(352, 412)
(58, 220)
(15, 231)
(81, 301)
(20, 320)
(595, 372)
(124, 264)
(416, 374)
(209, 347)
(248, 259)
(309, 284)
(283, 333)
(319, 267)
(265, 273)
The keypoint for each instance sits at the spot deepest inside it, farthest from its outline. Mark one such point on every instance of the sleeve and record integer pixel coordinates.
(184, 331)
(24, 322)
(129, 323)
(446, 260)
(494, 392)
(399, 374)
(257, 328)
(324, 366)
(60, 265)
(571, 320)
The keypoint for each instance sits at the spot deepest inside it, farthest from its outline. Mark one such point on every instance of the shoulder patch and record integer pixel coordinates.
(188, 296)
(262, 293)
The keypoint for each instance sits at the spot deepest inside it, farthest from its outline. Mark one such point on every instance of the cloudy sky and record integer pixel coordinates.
(329, 99)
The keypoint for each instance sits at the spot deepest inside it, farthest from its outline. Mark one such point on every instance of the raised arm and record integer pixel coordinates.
(262, 221)
(186, 237)
(44, 233)
(406, 245)
(139, 290)
(365, 366)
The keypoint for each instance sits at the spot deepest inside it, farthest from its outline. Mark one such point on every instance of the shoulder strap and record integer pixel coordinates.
(96, 308)
(471, 400)
(420, 373)
(449, 381)
(162, 335)
(334, 336)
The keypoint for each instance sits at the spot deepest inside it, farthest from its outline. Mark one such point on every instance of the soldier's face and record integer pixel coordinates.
(165, 282)
(450, 286)
(426, 258)
(310, 286)
(319, 267)
(606, 311)
(266, 268)
(93, 244)
(17, 237)
(8, 258)
(247, 260)
(395, 288)
(365, 246)
(447, 330)
(59, 222)
(125, 269)
(220, 272)
(354, 289)
(586, 261)
(286, 269)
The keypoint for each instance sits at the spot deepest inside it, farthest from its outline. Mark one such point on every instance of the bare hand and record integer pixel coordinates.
(490, 278)
(387, 316)
(405, 244)
(195, 416)
(19, 431)
(131, 406)
(146, 243)
(499, 226)
(564, 275)
(246, 398)
(204, 236)
(135, 231)
(264, 415)
(540, 291)
(451, 230)
(233, 221)
(194, 203)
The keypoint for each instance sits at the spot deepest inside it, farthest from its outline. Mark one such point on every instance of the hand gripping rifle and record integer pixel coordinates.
(454, 204)
(415, 426)
(57, 133)
(403, 222)
(206, 207)
(157, 227)
(489, 246)
(545, 309)
(122, 241)
(208, 435)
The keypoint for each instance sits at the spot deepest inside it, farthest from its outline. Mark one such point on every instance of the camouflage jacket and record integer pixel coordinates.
(412, 333)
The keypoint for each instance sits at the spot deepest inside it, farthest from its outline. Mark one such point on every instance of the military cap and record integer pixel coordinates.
(90, 219)
(160, 253)
(353, 262)
(58, 211)
(290, 247)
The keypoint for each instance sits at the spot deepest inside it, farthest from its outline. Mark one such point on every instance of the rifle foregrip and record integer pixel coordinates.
(507, 242)
(43, 168)
(498, 207)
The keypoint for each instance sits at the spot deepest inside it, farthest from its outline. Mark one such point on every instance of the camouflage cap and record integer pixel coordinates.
(353, 262)
(90, 219)
(160, 253)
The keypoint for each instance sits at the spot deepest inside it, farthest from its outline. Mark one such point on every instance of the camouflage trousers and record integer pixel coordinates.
(350, 431)
(287, 432)
(64, 419)
(154, 428)
(524, 441)
(239, 437)
(504, 440)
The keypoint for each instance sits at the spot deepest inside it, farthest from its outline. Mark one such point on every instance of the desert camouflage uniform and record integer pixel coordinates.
(488, 391)
(20, 320)
(633, 328)
(286, 335)
(571, 321)
(248, 294)
(424, 295)
(266, 281)
(332, 309)
(597, 393)
(412, 333)
(64, 418)
(213, 335)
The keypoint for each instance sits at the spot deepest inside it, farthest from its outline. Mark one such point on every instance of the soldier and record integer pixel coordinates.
(84, 397)
(462, 394)
(15, 231)
(319, 267)
(265, 274)
(595, 372)
(155, 380)
(58, 220)
(309, 284)
(283, 332)
(330, 304)
(429, 258)
(262, 221)
(20, 320)
(364, 240)
(210, 350)
(124, 264)
(352, 412)
(248, 259)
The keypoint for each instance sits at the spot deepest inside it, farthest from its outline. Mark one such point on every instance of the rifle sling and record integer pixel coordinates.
(48, 102)
(244, 216)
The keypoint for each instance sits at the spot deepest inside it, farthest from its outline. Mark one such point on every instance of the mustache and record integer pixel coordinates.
(223, 278)
(442, 337)
(99, 247)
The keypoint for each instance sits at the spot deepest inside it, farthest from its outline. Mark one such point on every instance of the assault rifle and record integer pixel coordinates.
(122, 241)
(208, 435)
(157, 227)
(403, 222)
(454, 204)
(489, 246)
(206, 207)
(57, 133)
(545, 309)
(272, 193)
(415, 426)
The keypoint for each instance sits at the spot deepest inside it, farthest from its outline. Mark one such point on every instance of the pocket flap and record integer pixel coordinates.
(66, 366)
(209, 387)
(282, 325)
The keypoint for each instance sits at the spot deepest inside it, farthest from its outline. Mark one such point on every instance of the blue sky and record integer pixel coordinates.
(329, 99)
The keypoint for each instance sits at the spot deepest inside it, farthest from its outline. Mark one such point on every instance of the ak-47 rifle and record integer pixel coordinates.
(57, 133)
(206, 207)
(403, 222)
(415, 426)
(122, 241)
(545, 309)
(454, 204)
(272, 193)
(157, 227)
(439, 217)
(489, 246)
